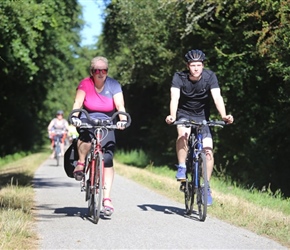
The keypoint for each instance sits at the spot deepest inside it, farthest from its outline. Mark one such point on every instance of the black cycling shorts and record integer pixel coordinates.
(206, 131)
(108, 143)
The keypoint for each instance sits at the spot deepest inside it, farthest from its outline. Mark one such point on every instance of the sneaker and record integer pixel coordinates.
(209, 197)
(181, 173)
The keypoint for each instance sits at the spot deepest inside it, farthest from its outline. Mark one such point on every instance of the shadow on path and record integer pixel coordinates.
(50, 182)
(169, 210)
(79, 212)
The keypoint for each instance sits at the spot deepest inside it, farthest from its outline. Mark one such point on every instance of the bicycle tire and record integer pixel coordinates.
(201, 195)
(57, 152)
(92, 191)
(189, 186)
(99, 183)
(189, 196)
(96, 188)
(87, 181)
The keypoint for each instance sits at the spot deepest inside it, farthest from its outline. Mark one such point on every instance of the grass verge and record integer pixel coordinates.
(231, 204)
(255, 211)
(17, 202)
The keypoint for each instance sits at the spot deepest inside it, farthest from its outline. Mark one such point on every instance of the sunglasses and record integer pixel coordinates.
(98, 71)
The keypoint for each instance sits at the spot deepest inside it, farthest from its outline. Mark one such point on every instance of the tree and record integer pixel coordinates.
(38, 45)
(246, 44)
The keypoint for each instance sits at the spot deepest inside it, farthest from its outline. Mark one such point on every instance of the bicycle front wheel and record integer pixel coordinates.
(57, 154)
(95, 201)
(202, 187)
(188, 195)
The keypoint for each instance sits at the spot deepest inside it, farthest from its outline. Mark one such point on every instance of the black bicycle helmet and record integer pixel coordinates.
(194, 55)
(59, 112)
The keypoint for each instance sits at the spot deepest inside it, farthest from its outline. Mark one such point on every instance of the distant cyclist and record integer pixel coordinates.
(190, 100)
(58, 126)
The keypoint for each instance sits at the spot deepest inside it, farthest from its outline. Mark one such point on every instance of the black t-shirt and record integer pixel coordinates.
(195, 96)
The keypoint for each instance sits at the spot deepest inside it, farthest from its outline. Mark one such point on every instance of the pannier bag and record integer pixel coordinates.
(70, 158)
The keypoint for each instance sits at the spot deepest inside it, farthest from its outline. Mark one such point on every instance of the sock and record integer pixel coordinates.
(182, 165)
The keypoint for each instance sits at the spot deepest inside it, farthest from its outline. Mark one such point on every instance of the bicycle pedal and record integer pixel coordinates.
(182, 187)
(83, 188)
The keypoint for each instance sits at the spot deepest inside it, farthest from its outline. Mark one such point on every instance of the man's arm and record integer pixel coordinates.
(175, 95)
(220, 105)
(219, 101)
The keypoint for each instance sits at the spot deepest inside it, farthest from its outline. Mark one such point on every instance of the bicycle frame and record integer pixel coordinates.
(57, 149)
(197, 149)
(95, 149)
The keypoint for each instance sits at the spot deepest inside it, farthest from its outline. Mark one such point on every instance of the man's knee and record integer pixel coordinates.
(182, 137)
(209, 153)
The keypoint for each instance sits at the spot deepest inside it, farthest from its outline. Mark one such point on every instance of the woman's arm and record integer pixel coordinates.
(120, 104)
(79, 100)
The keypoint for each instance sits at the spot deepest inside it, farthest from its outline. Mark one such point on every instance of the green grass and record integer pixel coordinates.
(137, 158)
(265, 213)
(266, 198)
(261, 198)
(17, 201)
(11, 158)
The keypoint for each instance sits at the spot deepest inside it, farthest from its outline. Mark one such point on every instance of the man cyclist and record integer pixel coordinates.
(58, 126)
(190, 100)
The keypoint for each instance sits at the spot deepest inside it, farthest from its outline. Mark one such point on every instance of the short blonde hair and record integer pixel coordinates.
(99, 58)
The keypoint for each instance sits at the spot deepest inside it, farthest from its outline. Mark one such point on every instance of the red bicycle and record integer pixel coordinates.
(93, 180)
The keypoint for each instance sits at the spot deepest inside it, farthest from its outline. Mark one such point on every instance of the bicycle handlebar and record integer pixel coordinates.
(100, 123)
(191, 123)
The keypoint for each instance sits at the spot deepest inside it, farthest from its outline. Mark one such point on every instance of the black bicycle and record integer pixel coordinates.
(196, 183)
(93, 180)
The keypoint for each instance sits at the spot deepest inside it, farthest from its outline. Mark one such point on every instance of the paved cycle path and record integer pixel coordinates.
(142, 219)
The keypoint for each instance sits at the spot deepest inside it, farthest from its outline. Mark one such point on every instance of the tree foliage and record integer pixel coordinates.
(38, 44)
(247, 45)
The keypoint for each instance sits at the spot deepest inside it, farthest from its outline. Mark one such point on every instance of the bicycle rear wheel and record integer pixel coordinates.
(202, 187)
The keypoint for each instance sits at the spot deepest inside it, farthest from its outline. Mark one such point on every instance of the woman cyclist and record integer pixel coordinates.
(101, 96)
